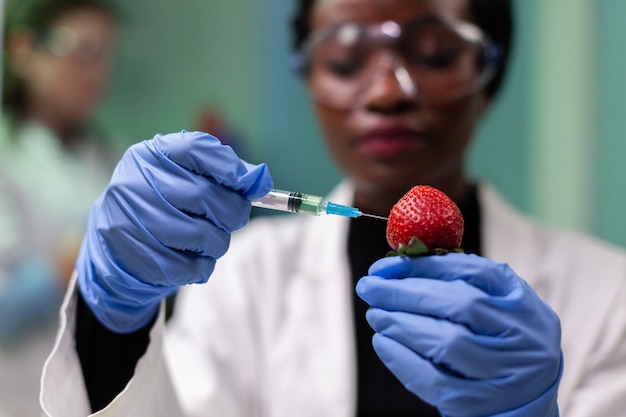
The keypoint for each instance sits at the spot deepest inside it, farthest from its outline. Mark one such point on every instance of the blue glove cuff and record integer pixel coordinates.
(107, 298)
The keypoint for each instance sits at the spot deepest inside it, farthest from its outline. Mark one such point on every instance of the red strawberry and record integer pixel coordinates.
(423, 221)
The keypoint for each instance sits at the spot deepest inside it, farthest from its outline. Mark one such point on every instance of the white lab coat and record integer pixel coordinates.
(271, 333)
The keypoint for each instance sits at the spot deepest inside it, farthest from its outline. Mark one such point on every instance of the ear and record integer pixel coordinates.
(20, 46)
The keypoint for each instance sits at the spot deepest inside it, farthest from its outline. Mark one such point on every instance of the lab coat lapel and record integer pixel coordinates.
(501, 223)
(321, 298)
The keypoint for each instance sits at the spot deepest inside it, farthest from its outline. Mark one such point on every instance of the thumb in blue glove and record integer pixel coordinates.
(162, 222)
(465, 334)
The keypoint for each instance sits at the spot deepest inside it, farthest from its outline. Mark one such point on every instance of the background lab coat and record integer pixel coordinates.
(45, 196)
(271, 333)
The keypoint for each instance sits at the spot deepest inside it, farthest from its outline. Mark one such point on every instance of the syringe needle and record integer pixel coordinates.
(373, 216)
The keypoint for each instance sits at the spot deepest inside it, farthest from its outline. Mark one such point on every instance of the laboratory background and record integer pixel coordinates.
(553, 143)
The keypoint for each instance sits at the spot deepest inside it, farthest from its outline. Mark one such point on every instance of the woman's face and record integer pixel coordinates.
(389, 141)
(66, 69)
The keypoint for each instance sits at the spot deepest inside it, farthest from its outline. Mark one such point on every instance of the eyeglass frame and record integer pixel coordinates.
(45, 39)
(468, 31)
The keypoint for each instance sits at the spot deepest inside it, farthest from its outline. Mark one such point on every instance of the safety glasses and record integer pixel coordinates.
(64, 42)
(429, 59)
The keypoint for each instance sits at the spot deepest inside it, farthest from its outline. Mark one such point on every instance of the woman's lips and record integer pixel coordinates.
(391, 142)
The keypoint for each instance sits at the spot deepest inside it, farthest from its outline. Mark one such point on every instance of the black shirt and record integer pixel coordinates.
(108, 359)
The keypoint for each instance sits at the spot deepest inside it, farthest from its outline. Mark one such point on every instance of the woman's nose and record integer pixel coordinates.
(390, 84)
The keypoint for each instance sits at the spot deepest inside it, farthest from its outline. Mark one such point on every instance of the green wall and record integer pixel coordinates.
(173, 57)
(552, 143)
(608, 195)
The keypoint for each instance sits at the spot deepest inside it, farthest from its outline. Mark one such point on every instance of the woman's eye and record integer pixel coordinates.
(344, 68)
(438, 60)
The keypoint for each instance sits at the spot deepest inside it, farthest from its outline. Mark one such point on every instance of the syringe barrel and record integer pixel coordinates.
(293, 202)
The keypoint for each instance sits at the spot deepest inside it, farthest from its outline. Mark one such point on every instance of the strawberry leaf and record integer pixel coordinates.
(418, 248)
(439, 251)
(415, 248)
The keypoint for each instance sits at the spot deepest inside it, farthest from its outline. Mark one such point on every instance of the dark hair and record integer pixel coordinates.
(494, 17)
(37, 15)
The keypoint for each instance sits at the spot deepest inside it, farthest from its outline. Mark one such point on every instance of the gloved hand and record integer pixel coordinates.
(465, 334)
(162, 222)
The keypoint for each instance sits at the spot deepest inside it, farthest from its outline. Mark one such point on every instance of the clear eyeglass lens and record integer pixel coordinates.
(443, 61)
(64, 42)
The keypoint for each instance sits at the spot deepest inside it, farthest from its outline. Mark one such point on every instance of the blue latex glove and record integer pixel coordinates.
(465, 334)
(162, 222)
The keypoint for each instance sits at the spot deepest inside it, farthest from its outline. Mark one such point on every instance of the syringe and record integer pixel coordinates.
(306, 204)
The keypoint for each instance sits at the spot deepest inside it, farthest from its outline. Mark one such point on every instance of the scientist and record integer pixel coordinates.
(529, 322)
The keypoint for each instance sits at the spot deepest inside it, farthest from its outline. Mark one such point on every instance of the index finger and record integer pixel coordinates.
(493, 278)
(205, 155)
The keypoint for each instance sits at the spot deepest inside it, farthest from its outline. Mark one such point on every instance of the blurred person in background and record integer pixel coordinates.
(53, 164)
